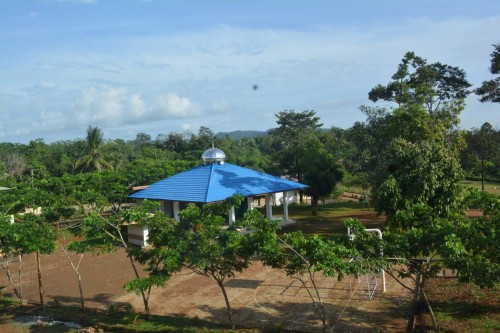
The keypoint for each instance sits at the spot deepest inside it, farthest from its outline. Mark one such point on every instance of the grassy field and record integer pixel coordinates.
(490, 187)
(330, 217)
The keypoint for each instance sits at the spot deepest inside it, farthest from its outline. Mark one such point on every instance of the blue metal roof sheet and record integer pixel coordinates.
(215, 182)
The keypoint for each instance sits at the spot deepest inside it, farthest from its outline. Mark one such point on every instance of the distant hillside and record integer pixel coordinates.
(236, 135)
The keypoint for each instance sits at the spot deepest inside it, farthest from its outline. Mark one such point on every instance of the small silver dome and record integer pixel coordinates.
(213, 155)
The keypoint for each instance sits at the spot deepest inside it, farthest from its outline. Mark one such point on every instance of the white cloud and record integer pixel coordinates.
(20, 131)
(137, 106)
(51, 121)
(115, 106)
(100, 107)
(221, 106)
(173, 105)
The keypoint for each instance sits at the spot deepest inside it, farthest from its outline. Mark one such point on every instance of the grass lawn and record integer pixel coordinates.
(464, 307)
(490, 187)
(330, 217)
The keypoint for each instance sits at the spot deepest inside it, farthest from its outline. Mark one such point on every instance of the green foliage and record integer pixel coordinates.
(296, 133)
(481, 157)
(162, 258)
(99, 234)
(302, 258)
(321, 173)
(145, 171)
(490, 90)
(198, 242)
(95, 158)
(479, 262)
(210, 250)
(415, 174)
(418, 83)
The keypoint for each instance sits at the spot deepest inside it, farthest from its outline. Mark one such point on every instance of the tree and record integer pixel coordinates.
(142, 140)
(418, 189)
(62, 209)
(305, 258)
(414, 174)
(162, 258)
(112, 186)
(437, 88)
(339, 143)
(490, 90)
(209, 250)
(433, 243)
(321, 173)
(198, 242)
(175, 142)
(63, 244)
(15, 164)
(39, 237)
(13, 243)
(95, 157)
(417, 82)
(484, 144)
(416, 183)
(296, 132)
(480, 262)
(101, 234)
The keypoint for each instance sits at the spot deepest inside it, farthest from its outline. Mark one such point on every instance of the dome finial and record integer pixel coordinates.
(213, 155)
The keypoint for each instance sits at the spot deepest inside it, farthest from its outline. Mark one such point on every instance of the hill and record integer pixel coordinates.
(236, 135)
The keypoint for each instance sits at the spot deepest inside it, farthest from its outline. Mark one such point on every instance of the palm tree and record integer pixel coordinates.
(95, 159)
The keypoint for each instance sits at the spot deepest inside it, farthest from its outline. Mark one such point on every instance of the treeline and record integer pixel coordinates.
(281, 151)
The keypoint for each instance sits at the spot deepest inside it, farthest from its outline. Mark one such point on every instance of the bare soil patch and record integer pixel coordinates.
(260, 296)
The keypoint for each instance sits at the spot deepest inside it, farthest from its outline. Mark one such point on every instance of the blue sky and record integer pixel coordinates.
(157, 67)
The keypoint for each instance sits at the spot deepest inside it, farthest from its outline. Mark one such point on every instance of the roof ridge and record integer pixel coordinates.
(210, 176)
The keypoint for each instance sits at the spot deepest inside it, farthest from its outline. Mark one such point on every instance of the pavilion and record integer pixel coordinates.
(215, 180)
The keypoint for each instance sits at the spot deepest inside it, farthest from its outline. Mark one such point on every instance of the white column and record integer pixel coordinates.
(232, 216)
(285, 206)
(176, 210)
(269, 206)
(250, 203)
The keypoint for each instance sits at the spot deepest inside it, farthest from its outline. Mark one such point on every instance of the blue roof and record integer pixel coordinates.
(215, 182)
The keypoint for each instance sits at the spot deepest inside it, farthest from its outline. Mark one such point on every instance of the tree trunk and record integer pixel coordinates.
(434, 323)
(314, 205)
(5, 266)
(82, 302)
(77, 273)
(145, 299)
(414, 306)
(40, 289)
(321, 307)
(228, 306)
(482, 174)
(20, 274)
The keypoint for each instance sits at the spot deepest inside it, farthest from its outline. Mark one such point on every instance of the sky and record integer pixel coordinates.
(162, 66)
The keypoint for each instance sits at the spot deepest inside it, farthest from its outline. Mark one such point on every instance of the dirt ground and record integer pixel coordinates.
(260, 296)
